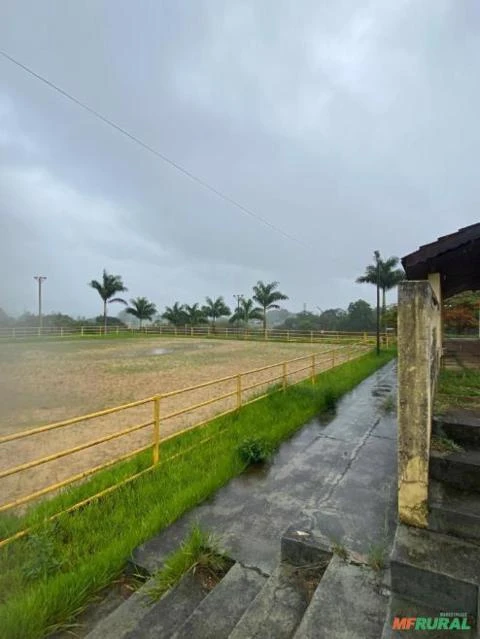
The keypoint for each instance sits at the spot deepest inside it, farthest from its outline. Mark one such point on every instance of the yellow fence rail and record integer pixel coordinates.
(251, 333)
(233, 392)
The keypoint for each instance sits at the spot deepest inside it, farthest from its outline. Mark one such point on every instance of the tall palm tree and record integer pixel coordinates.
(388, 276)
(142, 309)
(215, 308)
(266, 296)
(107, 288)
(246, 311)
(175, 314)
(194, 314)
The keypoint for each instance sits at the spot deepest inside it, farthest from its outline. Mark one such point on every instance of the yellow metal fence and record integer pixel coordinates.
(251, 333)
(162, 410)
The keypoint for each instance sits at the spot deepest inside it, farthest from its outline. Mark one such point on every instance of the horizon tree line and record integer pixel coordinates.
(264, 295)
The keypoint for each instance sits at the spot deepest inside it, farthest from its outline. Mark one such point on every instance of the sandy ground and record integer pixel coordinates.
(45, 382)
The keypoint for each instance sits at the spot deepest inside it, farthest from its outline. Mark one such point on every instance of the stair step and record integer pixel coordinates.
(400, 607)
(453, 511)
(461, 469)
(437, 570)
(139, 617)
(349, 603)
(277, 609)
(460, 425)
(218, 613)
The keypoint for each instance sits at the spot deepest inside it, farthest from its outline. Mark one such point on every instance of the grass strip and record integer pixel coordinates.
(49, 577)
(457, 389)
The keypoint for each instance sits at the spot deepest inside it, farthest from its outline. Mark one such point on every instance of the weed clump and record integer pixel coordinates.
(198, 553)
(254, 451)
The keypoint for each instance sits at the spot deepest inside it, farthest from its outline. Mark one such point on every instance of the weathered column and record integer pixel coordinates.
(417, 313)
(435, 283)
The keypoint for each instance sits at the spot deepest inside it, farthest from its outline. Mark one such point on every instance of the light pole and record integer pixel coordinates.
(40, 279)
(238, 297)
(377, 258)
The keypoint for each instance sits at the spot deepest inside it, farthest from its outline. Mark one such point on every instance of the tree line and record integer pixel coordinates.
(264, 295)
(460, 312)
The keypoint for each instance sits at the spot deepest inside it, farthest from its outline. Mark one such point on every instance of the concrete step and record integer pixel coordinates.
(461, 470)
(460, 425)
(400, 607)
(349, 603)
(218, 613)
(453, 511)
(277, 609)
(138, 617)
(440, 571)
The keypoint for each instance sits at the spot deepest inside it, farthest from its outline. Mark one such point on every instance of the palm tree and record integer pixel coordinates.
(107, 288)
(175, 314)
(194, 314)
(215, 309)
(267, 296)
(142, 309)
(388, 276)
(246, 311)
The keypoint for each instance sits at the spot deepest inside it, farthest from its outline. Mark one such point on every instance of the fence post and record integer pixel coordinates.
(191, 331)
(156, 429)
(239, 390)
(311, 337)
(284, 375)
(313, 368)
(61, 332)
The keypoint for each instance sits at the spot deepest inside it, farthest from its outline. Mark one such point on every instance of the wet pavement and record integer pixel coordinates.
(335, 477)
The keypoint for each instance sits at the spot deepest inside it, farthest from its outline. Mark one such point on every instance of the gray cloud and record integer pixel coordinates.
(352, 128)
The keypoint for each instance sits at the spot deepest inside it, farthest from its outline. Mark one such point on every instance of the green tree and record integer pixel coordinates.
(385, 273)
(107, 288)
(215, 308)
(267, 297)
(142, 309)
(391, 316)
(246, 311)
(360, 316)
(194, 314)
(175, 314)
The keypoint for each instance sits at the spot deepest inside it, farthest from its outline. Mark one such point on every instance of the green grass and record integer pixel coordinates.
(444, 444)
(199, 550)
(457, 389)
(84, 551)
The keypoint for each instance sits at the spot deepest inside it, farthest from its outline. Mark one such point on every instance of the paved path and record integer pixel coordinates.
(337, 477)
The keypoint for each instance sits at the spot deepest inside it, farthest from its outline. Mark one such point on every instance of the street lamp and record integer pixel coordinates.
(40, 279)
(377, 258)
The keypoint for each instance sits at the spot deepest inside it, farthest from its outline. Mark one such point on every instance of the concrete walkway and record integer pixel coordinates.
(336, 477)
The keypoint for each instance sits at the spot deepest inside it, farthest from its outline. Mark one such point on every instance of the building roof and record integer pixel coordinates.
(455, 256)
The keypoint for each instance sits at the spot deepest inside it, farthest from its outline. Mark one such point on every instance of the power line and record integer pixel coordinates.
(149, 148)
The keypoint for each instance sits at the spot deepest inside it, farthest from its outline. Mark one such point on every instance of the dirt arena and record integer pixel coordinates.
(45, 382)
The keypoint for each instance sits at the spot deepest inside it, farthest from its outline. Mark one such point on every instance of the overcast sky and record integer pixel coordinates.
(350, 126)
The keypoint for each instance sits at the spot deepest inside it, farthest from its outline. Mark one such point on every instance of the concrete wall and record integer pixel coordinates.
(419, 349)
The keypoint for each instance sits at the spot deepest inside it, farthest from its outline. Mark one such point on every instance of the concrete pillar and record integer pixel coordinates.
(435, 283)
(417, 315)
